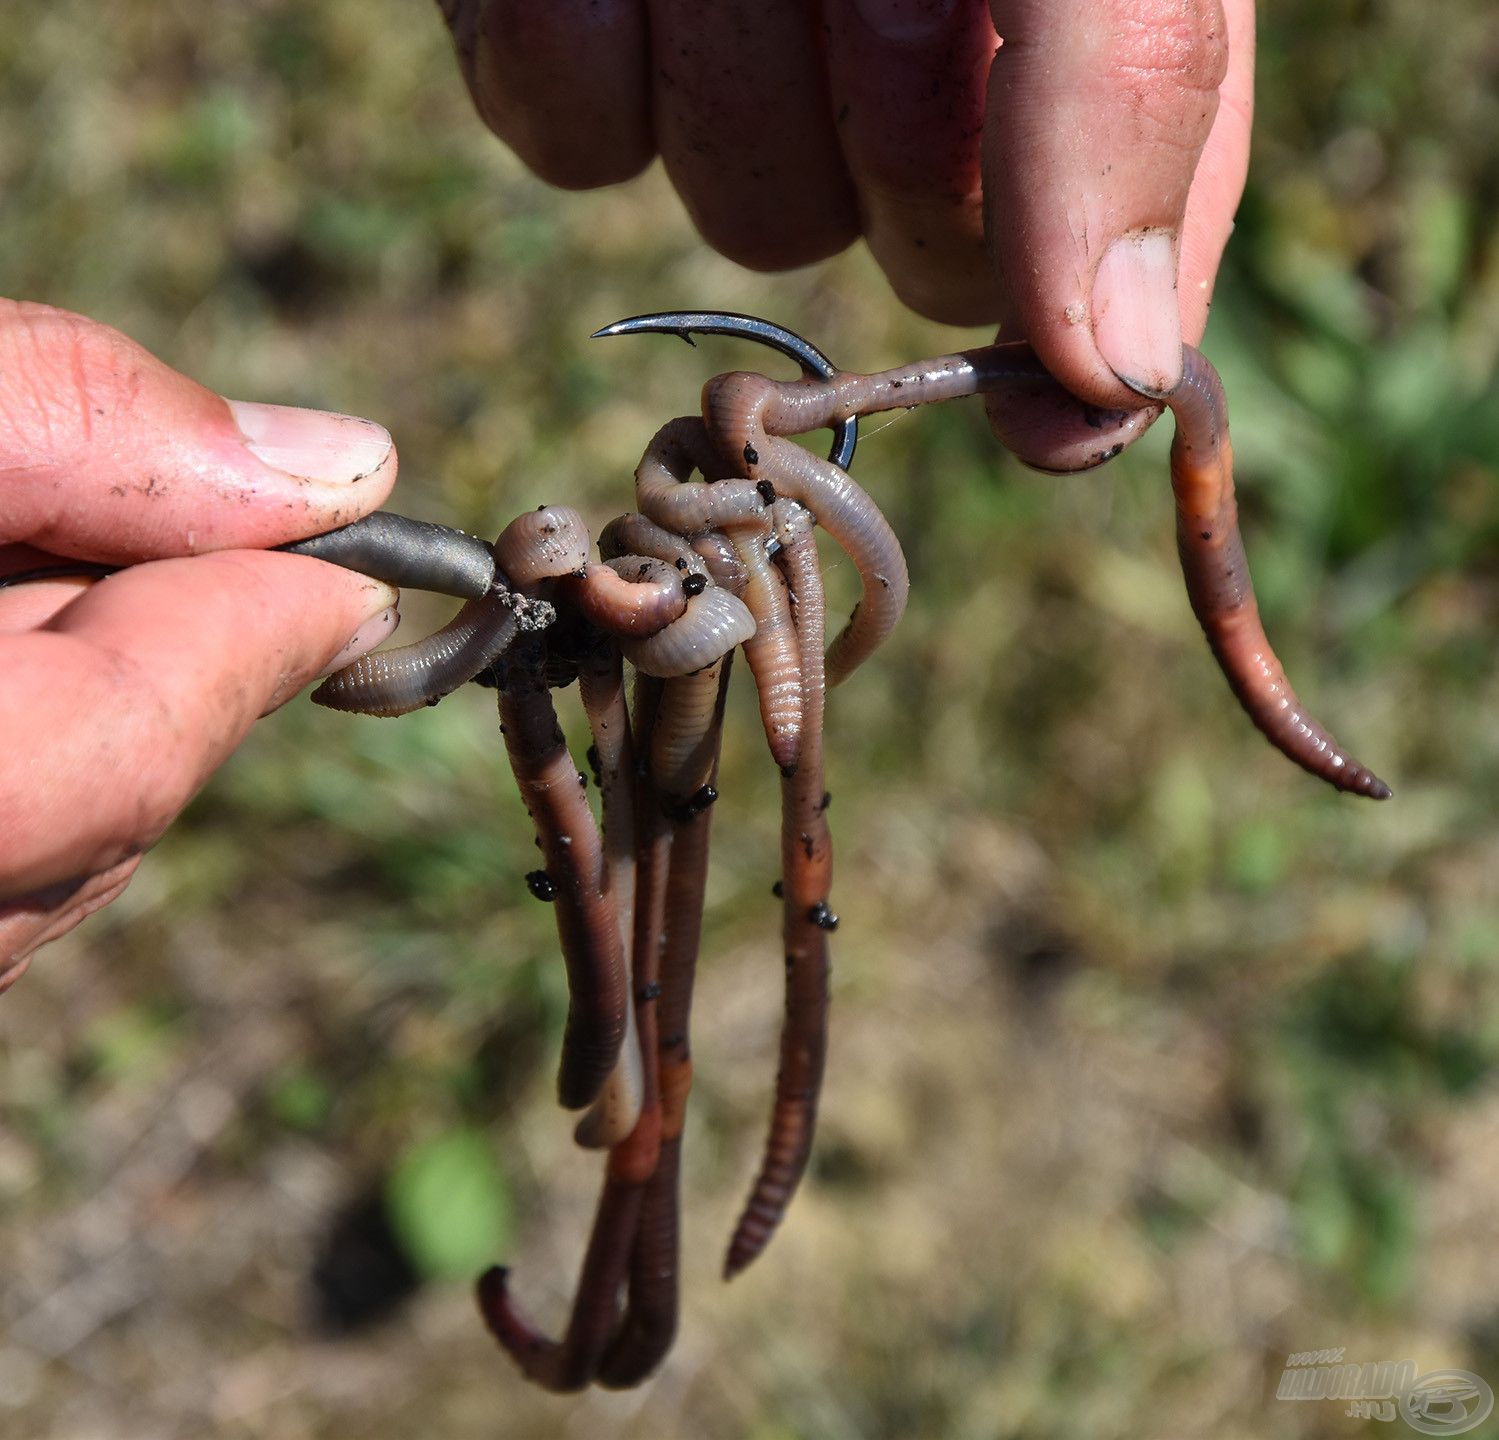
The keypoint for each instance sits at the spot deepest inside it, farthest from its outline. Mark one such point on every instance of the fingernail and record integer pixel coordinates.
(905, 20)
(377, 628)
(312, 444)
(1136, 323)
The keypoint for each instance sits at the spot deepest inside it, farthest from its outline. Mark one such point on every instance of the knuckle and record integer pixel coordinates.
(1181, 45)
(60, 376)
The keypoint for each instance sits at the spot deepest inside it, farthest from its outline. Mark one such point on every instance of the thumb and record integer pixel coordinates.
(107, 454)
(1099, 111)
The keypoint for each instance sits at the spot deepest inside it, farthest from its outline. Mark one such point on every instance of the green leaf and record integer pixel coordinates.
(449, 1203)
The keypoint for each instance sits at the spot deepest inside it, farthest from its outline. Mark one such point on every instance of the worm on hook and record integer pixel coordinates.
(1218, 584)
(714, 622)
(601, 688)
(631, 595)
(1209, 542)
(398, 681)
(650, 1321)
(807, 874)
(573, 855)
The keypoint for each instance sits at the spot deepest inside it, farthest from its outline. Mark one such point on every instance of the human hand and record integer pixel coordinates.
(121, 696)
(1105, 152)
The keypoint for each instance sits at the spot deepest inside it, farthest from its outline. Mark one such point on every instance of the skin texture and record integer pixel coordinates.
(156, 674)
(992, 181)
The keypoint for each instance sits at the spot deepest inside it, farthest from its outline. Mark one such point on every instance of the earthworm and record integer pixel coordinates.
(665, 491)
(632, 595)
(650, 1321)
(550, 786)
(601, 689)
(636, 534)
(713, 624)
(396, 682)
(539, 545)
(725, 568)
(734, 407)
(684, 739)
(549, 541)
(405, 552)
(772, 651)
(807, 873)
(569, 1364)
(1218, 584)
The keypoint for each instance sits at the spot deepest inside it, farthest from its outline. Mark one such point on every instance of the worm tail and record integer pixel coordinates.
(1222, 595)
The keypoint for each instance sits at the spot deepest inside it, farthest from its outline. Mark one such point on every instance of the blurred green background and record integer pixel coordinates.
(1153, 1060)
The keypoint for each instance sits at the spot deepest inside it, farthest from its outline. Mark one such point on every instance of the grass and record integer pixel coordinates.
(1152, 1062)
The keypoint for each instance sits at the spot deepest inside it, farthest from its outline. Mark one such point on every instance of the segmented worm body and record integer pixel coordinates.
(806, 880)
(552, 789)
(601, 687)
(396, 682)
(720, 556)
(1218, 585)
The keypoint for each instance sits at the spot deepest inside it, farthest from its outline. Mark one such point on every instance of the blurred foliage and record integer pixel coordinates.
(1153, 1061)
(449, 1204)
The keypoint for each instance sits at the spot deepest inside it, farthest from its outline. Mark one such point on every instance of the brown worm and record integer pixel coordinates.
(650, 1321)
(550, 786)
(1218, 584)
(806, 878)
(634, 595)
(566, 1365)
(685, 736)
(602, 690)
(718, 553)
(714, 623)
(396, 682)
(572, 1362)
(636, 534)
(735, 409)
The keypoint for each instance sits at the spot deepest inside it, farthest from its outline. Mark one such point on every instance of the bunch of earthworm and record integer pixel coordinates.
(721, 555)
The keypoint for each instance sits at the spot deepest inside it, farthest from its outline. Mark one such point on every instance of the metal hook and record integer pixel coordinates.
(685, 323)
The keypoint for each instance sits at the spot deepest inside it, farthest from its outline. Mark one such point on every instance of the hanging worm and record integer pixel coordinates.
(569, 1364)
(574, 873)
(807, 873)
(650, 1321)
(1218, 584)
(602, 691)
